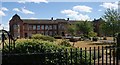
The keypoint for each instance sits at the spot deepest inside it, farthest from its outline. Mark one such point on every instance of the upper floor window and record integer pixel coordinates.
(46, 27)
(15, 26)
(34, 27)
(38, 27)
(42, 27)
(50, 26)
(55, 27)
(30, 27)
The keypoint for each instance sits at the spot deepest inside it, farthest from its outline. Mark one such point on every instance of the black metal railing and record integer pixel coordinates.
(87, 56)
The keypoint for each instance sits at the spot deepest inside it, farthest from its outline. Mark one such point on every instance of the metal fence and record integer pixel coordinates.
(88, 56)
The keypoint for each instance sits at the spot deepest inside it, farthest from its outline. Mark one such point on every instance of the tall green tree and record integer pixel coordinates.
(112, 23)
(84, 27)
(71, 29)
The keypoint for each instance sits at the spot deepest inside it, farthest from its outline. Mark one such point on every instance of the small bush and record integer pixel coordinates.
(40, 46)
(65, 43)
(43, 37)
(73, 39)
(94, 39)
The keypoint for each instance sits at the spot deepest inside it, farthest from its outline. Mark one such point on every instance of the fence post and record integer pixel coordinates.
(102, 55)
(71, 56)
(94, 56)
(81, 55)
(90, 56)
(66, 60)
(106, 56)
(118, 49)
(76, 55)
(98, 54)
(85, 54)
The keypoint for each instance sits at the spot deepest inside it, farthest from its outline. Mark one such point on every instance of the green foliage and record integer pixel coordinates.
(112, 23)
(92, 34)
(65, 43)
(72, 29)
(84, 26)
(43, 37)
(53, 52)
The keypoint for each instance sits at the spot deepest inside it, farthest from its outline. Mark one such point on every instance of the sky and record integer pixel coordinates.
(44, 9)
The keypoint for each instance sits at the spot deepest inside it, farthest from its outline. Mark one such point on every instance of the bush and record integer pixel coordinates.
(43, 37)
(65, 43)
(95, 39)
(40, 46)
(73, 39)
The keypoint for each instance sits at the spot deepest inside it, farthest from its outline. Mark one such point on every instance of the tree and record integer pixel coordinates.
(72, 29)
(112, 23)
(84, 27)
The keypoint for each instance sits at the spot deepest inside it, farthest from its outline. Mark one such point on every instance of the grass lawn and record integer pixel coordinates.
(87, 44)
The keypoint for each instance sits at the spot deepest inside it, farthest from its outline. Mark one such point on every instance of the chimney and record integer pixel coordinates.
(67, 19)
(52, 18)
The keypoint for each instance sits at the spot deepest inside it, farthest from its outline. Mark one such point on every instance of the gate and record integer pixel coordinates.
(7, 40)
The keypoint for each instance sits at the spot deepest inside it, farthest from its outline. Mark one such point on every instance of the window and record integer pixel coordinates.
(46, 27)
(46, 32)
(34, 27)
(50, 32)
(55, 27)
(42, 32)
(15, 26)
(50, 26)
(38, 27)
(42, 27)
(30, 27)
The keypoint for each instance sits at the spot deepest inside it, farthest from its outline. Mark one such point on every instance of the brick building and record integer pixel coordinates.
(26, 27)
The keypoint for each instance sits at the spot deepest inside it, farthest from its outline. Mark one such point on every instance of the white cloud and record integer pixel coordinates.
(82, 8)
(110, 5)
(75, 15)
(2, 9)
(33, 18)
(75, 12)
(70, 12)
(16, 9)
(99, 10)
(2, 13)
(5, 26)
(23, 10)
(35, 1)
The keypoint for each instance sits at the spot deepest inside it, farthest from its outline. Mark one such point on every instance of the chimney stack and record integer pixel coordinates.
(52, 18)
(67, 19)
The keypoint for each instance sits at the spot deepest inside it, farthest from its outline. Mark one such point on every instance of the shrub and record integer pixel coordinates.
(65, 43)
(40, 46)
(94, 39)
(43, 37)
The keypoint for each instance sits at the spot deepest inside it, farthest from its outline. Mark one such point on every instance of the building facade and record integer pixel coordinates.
(26, 27)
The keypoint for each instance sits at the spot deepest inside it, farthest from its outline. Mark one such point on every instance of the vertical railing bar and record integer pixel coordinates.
(110, 55)
(85, 54)
(113, 56)
(106, 55)
(94, 56)
(102, 56)
(98, 54)
(76, 57)
(90, 56)
(117, 56)
(66, 57)
(71, 55)
(80, 55)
